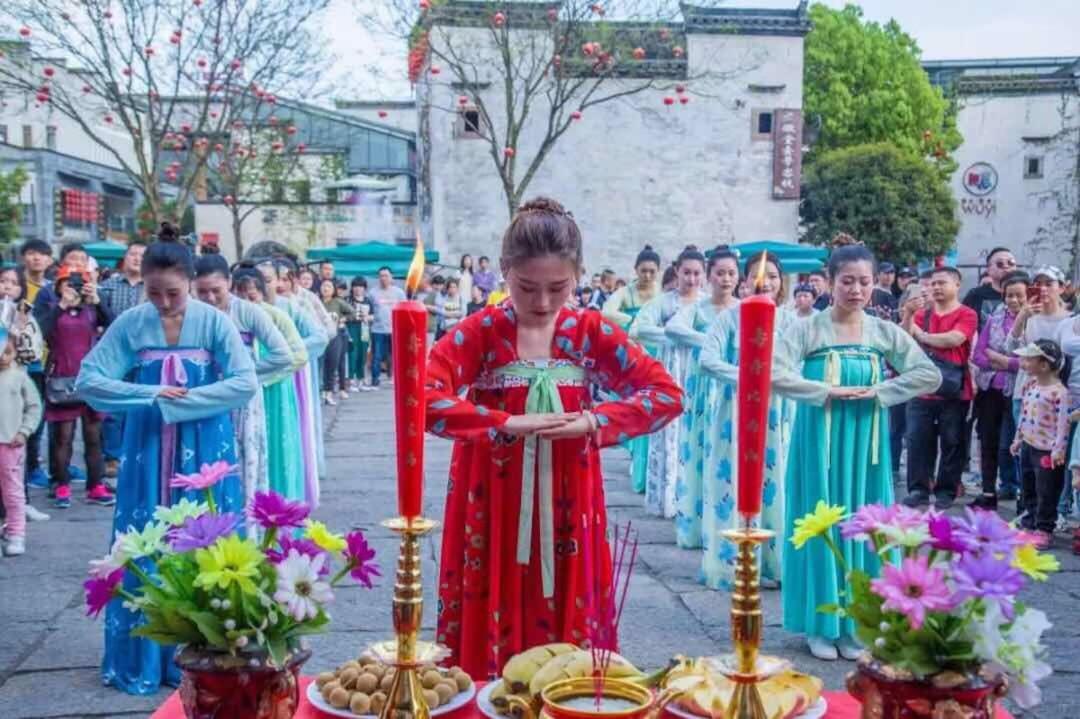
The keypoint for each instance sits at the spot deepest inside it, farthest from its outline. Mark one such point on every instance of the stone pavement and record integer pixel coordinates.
(49, 651)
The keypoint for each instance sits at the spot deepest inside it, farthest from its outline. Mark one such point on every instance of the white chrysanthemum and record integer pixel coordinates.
(177, 514)
(299, 587)
(147, 543)
(115, 559)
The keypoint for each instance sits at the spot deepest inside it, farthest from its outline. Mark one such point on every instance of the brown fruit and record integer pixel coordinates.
(339, 698)
(431, 698)
(464, 681)
(446, 692)
(365, 661)
(378, 701)
(387, 680)
(366, 683)
(329, 687)
(324, 679)
(348, 677)
(431, 679)
(359, 703)
(377, 669)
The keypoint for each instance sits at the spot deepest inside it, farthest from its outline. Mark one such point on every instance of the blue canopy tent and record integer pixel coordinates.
(365, 259)
(795, 258)
(106, 252)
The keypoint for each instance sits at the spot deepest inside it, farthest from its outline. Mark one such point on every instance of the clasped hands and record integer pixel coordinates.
(552, 425)
(852, 393)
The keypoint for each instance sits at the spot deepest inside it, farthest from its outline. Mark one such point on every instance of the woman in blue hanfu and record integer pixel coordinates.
(648, 328)
(688, 329)
(622, 307)
(271, 355)
(176, 367)
(834, 364)
(719, 361)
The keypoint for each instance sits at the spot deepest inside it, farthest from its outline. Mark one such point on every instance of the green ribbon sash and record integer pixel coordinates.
(536, 466)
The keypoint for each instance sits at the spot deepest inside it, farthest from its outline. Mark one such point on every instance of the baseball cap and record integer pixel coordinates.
(907, 272)
(1050, 271)
(886, 267)
(1047, 349)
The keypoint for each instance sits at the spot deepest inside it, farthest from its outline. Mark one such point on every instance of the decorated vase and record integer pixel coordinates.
(218, 685)
(890, 693)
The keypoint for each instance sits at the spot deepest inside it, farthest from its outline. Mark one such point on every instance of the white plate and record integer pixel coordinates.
(483, 700)
(315, 697)
(815, 711)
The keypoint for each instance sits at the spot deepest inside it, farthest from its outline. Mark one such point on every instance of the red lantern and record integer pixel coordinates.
(425, 5)
(271, 99)
(598, 9)
(639, 53)
(214, 114)
(575, 115)
(383, 113)
(301, 147)
(587, 49)
(86, 88)
(48, 72)
(669, 101)
(509, 152)
(277, 146)
(677, 51)
(24, 31)
(435, 70)
(683, 99)
(228, 199)
(149, 51)
(463, 100)
(201, 62)
(680, 89)
(273, 120)
(42, 97)
(553, 14)
(235, 64)
(197, 2)
(290, 130)
(174, 38)
(498, 19)
(126, 71)
(108, 119)
(107, 15)
(185, 128)
(219, 148)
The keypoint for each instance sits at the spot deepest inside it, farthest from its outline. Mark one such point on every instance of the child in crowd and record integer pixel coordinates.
(20, 413)
(1042, 436)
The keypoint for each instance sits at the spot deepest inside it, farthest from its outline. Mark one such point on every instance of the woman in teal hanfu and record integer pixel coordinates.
(719, 361)
(621, 308)
(648, 328)
(688, 329)
(176, 368)
(840, 444)
(285, 455)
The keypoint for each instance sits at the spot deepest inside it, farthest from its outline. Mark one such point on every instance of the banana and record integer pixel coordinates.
(500, 698)
(521, 668)
(579, 663)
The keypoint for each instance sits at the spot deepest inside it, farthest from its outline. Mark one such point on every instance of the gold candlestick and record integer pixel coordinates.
(405, 699)
(745, 667)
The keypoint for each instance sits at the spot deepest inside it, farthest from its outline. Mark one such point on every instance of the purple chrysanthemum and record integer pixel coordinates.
(100, 591)
(980, 531)
(913, 589)
(301, 546)
(984, 576)
(202, 531)
(360, 557)
(270, 509)
(945, 539)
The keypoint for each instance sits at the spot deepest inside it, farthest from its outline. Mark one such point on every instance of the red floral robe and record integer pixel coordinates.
(490, 606)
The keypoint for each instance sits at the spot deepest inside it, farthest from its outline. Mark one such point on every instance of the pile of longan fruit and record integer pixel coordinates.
(361, 686)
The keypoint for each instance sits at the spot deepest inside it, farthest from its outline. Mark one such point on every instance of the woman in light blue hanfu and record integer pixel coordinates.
(648, 328)
(719, 360)
(270, 353)
(622, 307)
(695, 443)
(189, 370)
(834, 364)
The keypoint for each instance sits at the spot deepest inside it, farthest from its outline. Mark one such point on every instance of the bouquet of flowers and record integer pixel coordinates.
(947, 597)
(198, 580)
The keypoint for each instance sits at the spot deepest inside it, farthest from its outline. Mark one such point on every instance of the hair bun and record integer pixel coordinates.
(168, 233)
(691, 248)
(843, 239)
(543, 204)
(647, 248)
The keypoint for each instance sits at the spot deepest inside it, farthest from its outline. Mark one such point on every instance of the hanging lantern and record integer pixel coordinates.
(383, 114)
(235, 64)
(509, 152)
(48, 72)
(24, 31)
(680, 89)
(290, 130)
(463, 100)
(435, 70)
(669, 101)
(683, 99)
(575, 115)
(149, 51)
(301, 147)
(498, 19)
(639, 53)
(677, 51)
(228, 199)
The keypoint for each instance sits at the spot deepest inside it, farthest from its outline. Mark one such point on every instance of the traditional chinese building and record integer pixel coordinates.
(1018, 180)
(716, 161)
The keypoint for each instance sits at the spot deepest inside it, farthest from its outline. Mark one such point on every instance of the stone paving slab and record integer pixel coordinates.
(49, 651)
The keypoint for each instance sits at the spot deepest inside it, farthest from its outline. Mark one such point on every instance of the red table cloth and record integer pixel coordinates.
(841, 706)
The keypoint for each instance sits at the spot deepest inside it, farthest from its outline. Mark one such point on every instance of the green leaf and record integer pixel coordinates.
(830, 609)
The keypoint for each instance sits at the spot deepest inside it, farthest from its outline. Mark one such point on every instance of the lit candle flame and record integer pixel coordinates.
(416, 269)
(759, 280)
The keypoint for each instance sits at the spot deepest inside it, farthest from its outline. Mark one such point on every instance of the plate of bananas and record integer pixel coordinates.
(527, 674)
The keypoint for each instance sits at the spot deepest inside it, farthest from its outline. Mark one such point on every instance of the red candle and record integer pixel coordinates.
(409, 353)
(757, 316)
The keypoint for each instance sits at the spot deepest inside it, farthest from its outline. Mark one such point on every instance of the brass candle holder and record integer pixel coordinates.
(405, 699)
(746, 668)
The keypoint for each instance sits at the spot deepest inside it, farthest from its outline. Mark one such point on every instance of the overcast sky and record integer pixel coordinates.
(944, 29)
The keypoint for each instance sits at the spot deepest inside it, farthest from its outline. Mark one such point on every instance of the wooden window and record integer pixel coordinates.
(761, 125)
(470, 123)
(1033, 167)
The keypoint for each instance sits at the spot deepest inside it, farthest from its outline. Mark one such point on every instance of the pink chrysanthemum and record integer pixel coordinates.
(207, 476)
(913, 589)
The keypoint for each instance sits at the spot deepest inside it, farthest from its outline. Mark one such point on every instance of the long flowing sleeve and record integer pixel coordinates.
(236, 387)
(454, 363)
(287, 328)
(275, 356)
(648, 326)
(100, 381)
(788, 355)
(719, 341)
(649, 397)
(915, 373)
(313, 332)
(682, 328)
(613, 307)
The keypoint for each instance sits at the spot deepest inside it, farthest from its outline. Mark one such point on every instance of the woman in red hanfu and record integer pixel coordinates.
(511, 386)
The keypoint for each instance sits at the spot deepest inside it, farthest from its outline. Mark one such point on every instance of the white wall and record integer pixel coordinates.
(403, 118)
(634, 171)
(1031, 216)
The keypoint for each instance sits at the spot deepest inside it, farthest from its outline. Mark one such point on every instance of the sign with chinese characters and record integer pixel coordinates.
(980, 179)
(787, 153)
